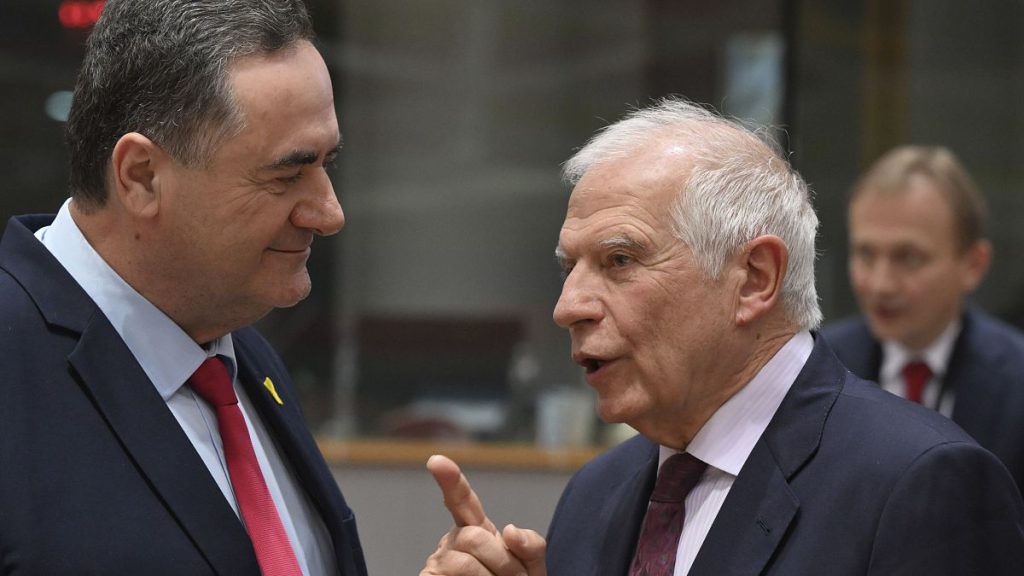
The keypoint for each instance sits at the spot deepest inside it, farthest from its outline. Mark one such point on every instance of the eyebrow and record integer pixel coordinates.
(622, 241)
(301, 158)
(616, 241)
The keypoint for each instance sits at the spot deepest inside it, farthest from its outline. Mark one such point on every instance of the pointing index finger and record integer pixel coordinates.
(459, 498)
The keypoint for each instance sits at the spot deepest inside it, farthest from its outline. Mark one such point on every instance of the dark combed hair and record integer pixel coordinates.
(160, 68)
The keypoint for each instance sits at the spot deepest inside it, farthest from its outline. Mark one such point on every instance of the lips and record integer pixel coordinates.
(886, 313)
(590, 363)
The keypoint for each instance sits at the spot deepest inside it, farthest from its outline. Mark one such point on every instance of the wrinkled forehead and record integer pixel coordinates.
(649, 180)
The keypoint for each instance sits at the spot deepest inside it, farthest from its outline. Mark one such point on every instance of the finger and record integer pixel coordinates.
(459, 497)
(486, 548)
(528, 546)
(451, 562)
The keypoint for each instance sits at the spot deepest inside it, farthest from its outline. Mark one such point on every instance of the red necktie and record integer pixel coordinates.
(663, 524)
(273, 550)
(916, 375)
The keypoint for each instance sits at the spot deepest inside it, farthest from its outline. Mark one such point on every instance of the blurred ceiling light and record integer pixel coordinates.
(79, 14)
(58, 105)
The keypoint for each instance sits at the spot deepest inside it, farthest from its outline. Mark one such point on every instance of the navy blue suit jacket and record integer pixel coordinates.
(986, 371)
(847, 479)
(96, 474)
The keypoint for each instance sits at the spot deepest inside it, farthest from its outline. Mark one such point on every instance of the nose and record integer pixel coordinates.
(320, 211)
(579, 301)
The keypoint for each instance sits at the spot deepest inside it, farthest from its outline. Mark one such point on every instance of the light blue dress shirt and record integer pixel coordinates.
(169, 357)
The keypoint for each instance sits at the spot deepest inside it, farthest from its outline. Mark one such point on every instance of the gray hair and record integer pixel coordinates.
(160, 68)
(740, 187)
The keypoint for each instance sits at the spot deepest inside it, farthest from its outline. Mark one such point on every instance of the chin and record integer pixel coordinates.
(290, 297)
(613, 412)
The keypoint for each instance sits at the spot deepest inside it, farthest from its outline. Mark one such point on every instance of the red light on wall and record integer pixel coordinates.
(79, 14)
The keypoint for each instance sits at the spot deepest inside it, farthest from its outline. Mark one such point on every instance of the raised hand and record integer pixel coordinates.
(474, 547)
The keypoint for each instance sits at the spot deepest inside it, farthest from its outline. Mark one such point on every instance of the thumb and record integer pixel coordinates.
(528, 546)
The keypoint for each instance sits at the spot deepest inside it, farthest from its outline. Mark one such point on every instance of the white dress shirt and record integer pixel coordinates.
(727, 439)
(895, 356)
(169, 357)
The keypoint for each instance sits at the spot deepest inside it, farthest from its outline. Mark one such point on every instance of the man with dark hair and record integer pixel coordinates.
(145, 427)
(917, 250)
(688, 254)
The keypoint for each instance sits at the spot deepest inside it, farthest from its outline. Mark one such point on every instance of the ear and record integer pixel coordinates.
(975, 261)
(763, 266)
(136, 185)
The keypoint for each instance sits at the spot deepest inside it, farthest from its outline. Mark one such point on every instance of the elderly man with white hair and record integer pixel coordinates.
(688, 254)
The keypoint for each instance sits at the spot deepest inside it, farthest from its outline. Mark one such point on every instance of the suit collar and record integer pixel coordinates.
(623, 509)
(970, 373)
(155, 443)
(128, 402)
(287, 426)
(761, 505)
(56, 294)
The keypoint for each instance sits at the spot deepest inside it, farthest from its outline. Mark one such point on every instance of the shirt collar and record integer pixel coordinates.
(728, 437)
(166, 353)
(895, 355)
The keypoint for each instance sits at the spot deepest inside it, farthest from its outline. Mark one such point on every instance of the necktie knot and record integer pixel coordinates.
(678, 475)
(916, 375)
(213, 383)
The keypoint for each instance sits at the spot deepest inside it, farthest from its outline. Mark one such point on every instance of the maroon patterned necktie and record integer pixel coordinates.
(916, 375)
(273, 549)
(663, 524)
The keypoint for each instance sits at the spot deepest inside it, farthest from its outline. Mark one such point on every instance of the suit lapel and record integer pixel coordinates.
(294, 442)
(625, 507)
(752, 521)
(977, 392)
(154, 441)
(761, 505)
(136, 414)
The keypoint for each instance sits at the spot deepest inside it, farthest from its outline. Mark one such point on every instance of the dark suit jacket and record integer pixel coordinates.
(96, 475)
(986, 371)
(847, 479)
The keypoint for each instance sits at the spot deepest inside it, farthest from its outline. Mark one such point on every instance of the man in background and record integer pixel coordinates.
(145, 427)
(688, 254)
(917, 250)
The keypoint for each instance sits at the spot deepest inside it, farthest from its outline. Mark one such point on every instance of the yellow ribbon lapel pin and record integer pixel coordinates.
(269, 385)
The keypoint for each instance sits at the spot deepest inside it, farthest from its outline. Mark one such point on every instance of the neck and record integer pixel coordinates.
(754, 346)
(135, 256)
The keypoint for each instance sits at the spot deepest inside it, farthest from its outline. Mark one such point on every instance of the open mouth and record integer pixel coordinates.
(591, 364)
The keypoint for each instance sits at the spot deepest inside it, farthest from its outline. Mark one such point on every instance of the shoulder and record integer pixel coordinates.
(620, 463)
(890, 424)
(620, 466)
(988, 337)
(848, 331)
(954, 509)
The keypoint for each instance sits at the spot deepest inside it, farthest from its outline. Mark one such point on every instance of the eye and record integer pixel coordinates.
(291, 179)
(863, 255)
(620, 260)
(910, 259)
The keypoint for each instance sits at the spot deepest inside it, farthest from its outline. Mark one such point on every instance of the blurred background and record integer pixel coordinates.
(430, 315)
